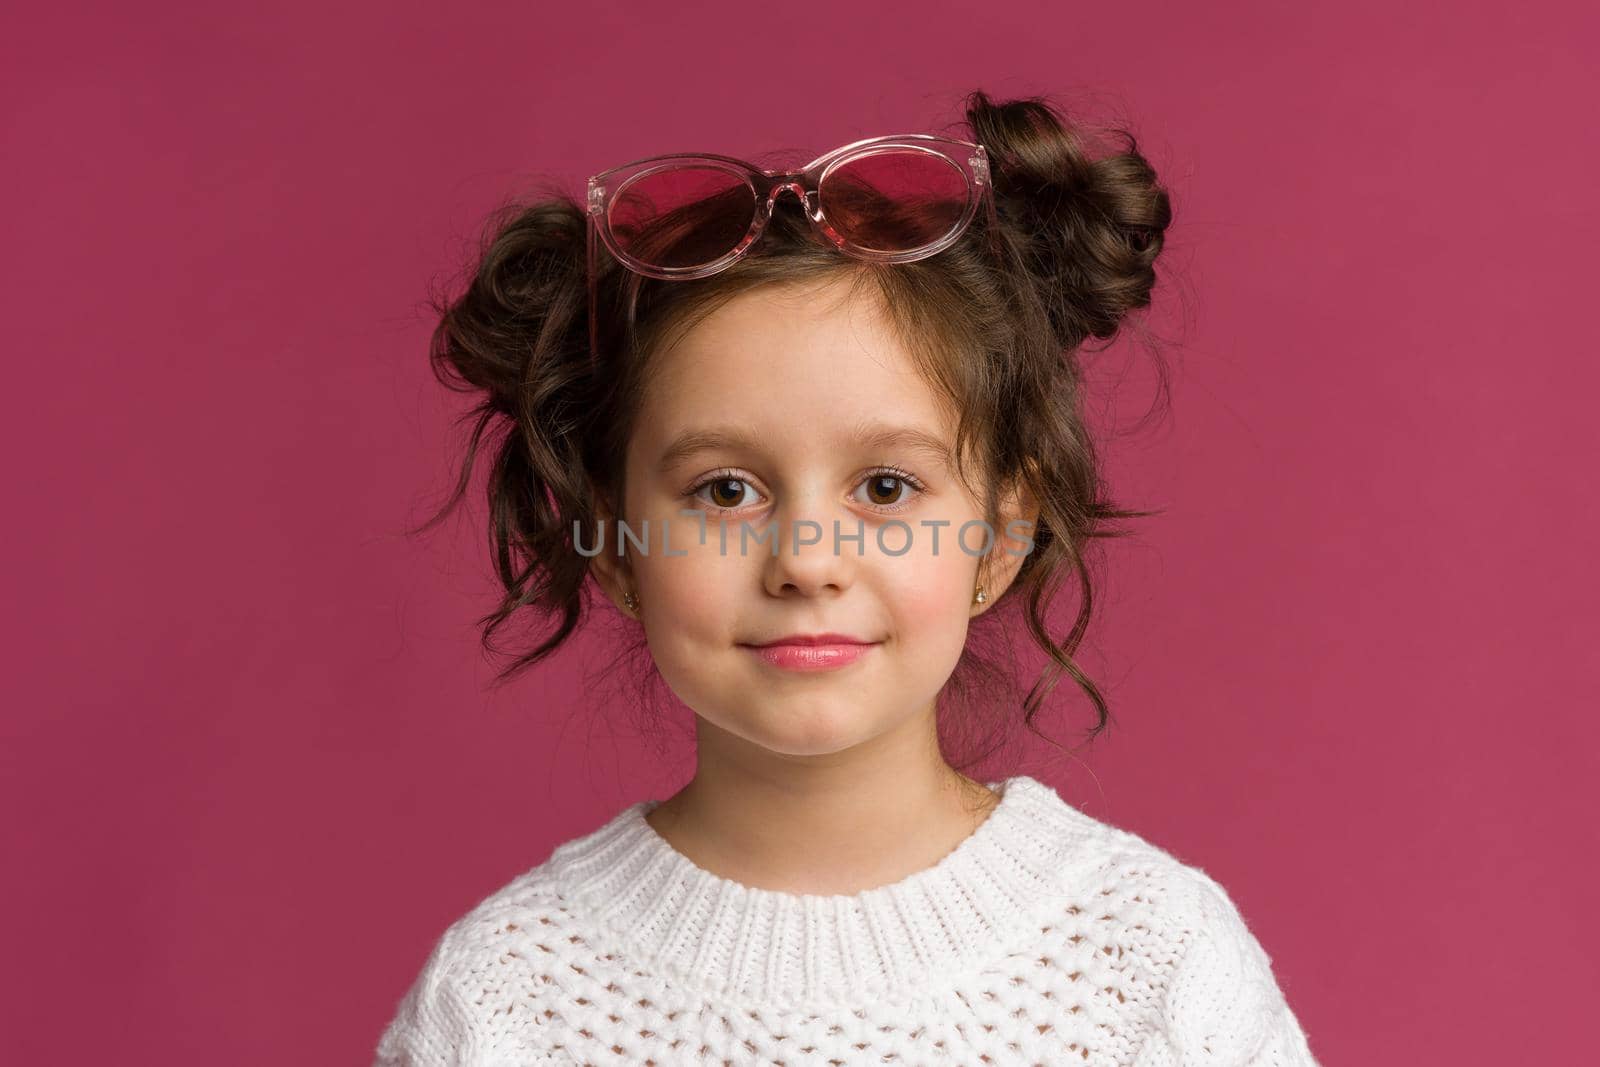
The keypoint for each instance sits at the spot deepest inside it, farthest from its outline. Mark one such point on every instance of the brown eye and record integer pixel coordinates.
(890, 489)
(884, 489)
(726, 492)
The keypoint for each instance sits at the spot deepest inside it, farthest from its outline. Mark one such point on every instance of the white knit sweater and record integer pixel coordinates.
(1046, 937)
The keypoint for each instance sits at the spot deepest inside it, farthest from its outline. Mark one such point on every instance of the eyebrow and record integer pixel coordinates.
(870, 434)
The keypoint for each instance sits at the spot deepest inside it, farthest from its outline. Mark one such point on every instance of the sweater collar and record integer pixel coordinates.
(756, 946)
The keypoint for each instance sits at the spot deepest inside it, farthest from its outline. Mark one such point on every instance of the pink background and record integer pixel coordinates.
(251, 765)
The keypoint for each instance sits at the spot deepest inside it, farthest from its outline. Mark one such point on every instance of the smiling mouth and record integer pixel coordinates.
(811, 657)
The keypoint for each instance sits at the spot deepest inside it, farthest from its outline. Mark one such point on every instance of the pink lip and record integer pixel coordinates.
(812, 652)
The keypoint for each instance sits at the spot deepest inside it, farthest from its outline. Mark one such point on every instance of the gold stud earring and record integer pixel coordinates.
(631, 600)
(980, 597)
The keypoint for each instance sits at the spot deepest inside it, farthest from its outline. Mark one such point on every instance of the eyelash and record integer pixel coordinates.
(878, 472)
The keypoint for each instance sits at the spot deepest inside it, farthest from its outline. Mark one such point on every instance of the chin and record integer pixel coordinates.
(807, 748)
(811, 728)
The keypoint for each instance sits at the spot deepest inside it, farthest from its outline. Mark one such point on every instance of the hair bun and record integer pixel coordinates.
(522, 312)
(1088, 228)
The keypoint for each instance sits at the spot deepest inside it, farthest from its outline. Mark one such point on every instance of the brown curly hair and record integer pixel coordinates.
(1078, 235)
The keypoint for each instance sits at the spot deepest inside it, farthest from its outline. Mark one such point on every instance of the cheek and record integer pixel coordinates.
(690, 621)
(929, 597)
(688, 586)
(694, 594)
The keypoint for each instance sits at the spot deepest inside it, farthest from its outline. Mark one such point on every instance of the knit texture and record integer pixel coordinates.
(1045, 937)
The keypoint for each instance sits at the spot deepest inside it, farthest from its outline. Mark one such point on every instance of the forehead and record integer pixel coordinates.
(797, 362)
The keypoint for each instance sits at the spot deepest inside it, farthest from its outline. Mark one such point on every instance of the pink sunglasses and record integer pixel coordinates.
(891, 199)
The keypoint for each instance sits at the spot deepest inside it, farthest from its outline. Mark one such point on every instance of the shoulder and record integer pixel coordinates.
(1105, 856)
(1187, 904)
(1224, 1004)
(473, 1003)
(1217, 999)
(517, 909)
(1178, 897)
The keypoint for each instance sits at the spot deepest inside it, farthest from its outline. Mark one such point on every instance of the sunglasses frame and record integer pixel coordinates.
(970, 158)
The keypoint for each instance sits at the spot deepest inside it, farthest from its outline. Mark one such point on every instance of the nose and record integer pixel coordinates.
(810, 560)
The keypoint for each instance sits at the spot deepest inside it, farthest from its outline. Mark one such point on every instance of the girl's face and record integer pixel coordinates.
(779, 410)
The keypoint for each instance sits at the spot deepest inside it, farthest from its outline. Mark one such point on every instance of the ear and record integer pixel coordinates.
(610, 570)
(1019, 518)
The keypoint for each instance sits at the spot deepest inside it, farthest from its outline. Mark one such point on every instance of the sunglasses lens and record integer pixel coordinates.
(894, 200)
(682, 216)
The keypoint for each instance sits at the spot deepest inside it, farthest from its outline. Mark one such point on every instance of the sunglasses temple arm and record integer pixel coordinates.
(994, 225)
(594, 356)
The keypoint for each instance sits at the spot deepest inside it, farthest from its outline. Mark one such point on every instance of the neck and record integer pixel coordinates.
(834, 824)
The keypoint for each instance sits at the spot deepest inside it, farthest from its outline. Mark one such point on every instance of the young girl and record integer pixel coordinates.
(807, 430)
